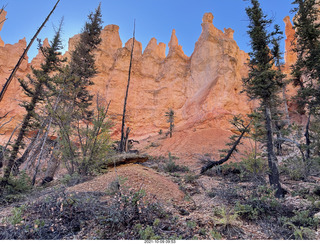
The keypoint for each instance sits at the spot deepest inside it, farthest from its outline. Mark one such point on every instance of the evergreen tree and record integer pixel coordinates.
(170, 120)
(306, 70)
(263, 80)
(35, 88)
(74, 110)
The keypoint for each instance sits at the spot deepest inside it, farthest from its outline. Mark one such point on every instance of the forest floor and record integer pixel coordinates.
(166, 198)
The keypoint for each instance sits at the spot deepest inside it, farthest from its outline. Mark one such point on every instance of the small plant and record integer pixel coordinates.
(191, 224)
(114, 186)
(172, 167)
(301, 233)
(170, 119)
(156, 222)
(147, 233)
(20, 184)
(302, 219)
(228, 222)
(191, 178)
(295, 168)
(247, 211)
(71, 180)
(216, 235)
(16, 216)
(226, 217)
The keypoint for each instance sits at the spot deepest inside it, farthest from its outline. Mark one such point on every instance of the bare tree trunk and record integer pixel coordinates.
(52, 167)
(307, 136)
(6, 85)
(122, 141)
(26, 153)
(19, 140)
(126, 140)
(44, 140)
(272, 159)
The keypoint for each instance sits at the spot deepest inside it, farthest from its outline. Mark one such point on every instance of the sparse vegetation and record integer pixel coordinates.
(226, 198)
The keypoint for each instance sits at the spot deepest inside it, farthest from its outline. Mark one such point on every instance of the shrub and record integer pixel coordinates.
(16, 215)
(295, 168)
(301, 233)
(172, 167)
(302, 219)
(247, 211)
(147, 233)
(227, 221)
(21, 184)
(191, 178)
(71, 180)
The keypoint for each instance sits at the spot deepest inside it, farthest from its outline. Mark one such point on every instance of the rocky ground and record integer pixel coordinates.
(165, 198)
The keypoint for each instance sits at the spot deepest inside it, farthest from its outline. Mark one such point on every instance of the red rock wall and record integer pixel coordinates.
(203, 90)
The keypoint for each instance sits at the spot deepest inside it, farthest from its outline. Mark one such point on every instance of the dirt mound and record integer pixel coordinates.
(136, 177)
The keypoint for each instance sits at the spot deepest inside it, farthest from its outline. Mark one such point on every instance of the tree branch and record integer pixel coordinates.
(6, 85)
(211, 163)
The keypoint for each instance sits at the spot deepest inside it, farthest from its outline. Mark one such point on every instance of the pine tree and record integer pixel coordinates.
(34, 88)
(82, 67)
(170, 120)
(75, 107)
(306, 70)
(262, 82)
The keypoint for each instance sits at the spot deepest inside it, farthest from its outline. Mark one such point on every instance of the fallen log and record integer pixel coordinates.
(123, 158)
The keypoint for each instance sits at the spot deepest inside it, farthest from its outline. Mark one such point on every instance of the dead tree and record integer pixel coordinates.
(6, 85)
(52, 167)
(123, 136)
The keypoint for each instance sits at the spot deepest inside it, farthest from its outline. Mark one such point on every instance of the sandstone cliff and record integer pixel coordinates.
(203, 89)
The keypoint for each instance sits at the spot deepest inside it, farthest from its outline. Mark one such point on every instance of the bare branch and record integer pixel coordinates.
(6, 85)
(7, 122)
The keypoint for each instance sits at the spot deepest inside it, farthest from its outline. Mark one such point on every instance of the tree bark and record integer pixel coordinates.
(272, 159)
(307, 136)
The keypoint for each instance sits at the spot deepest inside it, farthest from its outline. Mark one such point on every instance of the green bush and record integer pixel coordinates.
(18, 185)
(247, 211)
(16, 216)
(191, 178)
(251, 167)
(71, 180)
(172, 167)
(302, 219)
(295, 168)
(147, 233)
(300, 233)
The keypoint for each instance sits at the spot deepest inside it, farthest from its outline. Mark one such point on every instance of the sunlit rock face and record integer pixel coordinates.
(9, 56)
(2, 20)
(290, 56)
(203, 89)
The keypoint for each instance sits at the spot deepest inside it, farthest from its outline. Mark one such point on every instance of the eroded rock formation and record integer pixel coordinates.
(203, 89)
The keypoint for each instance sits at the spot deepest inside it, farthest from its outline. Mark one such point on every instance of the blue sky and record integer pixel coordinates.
(154, 18)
